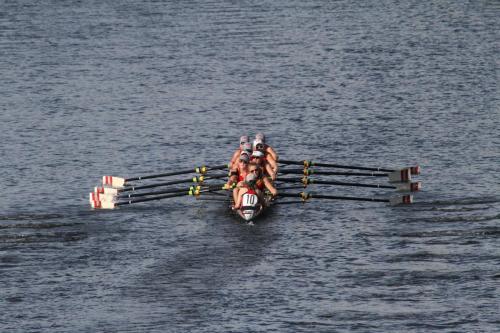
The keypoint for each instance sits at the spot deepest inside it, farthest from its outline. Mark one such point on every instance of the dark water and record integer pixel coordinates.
(90, 88)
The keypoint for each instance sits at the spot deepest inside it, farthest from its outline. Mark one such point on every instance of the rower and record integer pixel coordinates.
(245, 145)
(239, 172)
(269, 166)
(262, 182)
(245, 149)
(259, 144)
(267, 148)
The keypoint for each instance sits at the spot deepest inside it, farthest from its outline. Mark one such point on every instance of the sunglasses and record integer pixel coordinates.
(242, 143)
(259, 147)
(244, 162)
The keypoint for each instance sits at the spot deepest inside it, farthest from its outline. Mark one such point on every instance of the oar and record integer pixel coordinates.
(110, 201)
(120, 182)
(415, 170)
(405, 199)
(403, 175)
(105, 204)
(110, 190)
(402, 187)
(96, 196)
(308, 172)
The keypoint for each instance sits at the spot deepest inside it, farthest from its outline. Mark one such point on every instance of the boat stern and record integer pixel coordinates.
(251, 207)
(248, 213)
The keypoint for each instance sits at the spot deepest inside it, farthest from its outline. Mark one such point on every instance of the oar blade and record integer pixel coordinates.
(400, 176)
(116, 182)
(99, 202)
(401, 200)
(104, 205)
(106, 190)
(415, 170)
(409, 187)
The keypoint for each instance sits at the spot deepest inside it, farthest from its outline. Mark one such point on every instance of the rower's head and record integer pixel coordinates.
(244, 159)
(257, 154)
(257, 157)
(247, 148)
(260, 136)
(244, 139)
(255, 169)
(258, 144)
(250, 178)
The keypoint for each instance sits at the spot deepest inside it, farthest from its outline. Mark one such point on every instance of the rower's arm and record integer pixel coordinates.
(273, 153)
(273, 164)
(270, 171)
(233, 178)
(269, 185)
(235, 157)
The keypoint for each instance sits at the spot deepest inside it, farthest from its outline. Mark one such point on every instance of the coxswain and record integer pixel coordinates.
(267, 148)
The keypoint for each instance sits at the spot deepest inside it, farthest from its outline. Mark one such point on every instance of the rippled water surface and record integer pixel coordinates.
(92, 88)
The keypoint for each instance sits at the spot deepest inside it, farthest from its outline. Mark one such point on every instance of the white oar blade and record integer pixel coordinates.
(97, 196)
(409, 187)
(101, 201)
(93, 198)
(106, 190)
(401, 200)
(107, 197)
(103, 205)
(400, 176)
(113, 181)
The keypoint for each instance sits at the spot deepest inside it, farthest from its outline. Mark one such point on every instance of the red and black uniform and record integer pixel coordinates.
(239, 175)
(250, 187)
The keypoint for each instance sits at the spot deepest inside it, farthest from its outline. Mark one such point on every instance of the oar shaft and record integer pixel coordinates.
(175, 173)
(307, 196)
(326, 182)
(352, 167)
(143, 194)
(309, 181)
(333, 165)
(172, 182)
(415, 170)
(336, 197)
(131, 201)
(141, 187)
(332, 173)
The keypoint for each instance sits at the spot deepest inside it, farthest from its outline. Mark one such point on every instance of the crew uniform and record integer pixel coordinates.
(248, 185)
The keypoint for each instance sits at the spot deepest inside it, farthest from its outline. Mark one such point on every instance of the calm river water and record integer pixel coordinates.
(93, 88)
